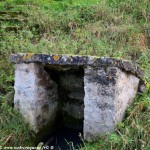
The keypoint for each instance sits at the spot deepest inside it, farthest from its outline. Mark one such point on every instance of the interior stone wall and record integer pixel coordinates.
(70, 87)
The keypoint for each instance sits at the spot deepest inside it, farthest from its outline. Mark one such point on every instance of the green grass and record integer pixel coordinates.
(13, 130)
(112, 28)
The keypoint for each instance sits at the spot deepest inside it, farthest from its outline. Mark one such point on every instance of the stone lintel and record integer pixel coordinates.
(73, 60)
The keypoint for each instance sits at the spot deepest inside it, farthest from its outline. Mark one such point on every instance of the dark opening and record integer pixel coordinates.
(65, 139)
(70, 87)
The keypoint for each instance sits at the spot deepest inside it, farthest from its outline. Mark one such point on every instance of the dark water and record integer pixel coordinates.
(65, 139)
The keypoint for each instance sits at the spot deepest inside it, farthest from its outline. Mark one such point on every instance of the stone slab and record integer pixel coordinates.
(74, 60)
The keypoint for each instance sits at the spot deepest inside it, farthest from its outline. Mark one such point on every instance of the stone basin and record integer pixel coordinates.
(86, 93)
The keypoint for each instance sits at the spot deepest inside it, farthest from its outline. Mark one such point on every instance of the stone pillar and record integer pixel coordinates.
(35, 95)
(108, 92)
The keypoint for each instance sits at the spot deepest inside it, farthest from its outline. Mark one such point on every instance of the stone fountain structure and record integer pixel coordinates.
(80, 92)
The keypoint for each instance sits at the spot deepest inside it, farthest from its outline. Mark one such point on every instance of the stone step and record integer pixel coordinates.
(71, 82)
(76, 95)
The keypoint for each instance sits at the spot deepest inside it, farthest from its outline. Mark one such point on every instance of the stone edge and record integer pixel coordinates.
(79, 60)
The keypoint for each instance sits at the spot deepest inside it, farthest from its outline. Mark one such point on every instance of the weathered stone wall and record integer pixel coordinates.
(35, 95)
(70, 89)
(99, 86)
(73, 104)
(107, 94)
(125, 92)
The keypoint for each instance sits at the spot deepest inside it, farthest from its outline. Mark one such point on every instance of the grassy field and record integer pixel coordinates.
(111, 28)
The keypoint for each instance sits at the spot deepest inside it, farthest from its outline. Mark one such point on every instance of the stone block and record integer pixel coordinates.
(71, 82)
(108, 92)
(73, 115)
(35, 95)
